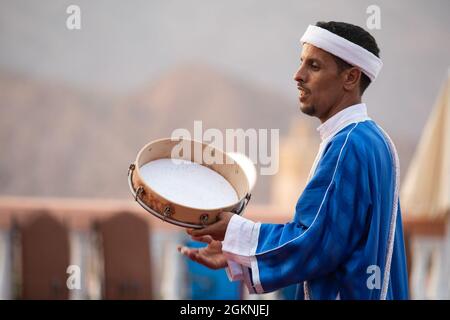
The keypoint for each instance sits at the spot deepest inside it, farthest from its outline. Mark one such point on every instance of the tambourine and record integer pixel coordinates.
(236, 168)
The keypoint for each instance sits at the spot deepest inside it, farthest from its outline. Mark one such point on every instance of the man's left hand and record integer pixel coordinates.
(216, 230)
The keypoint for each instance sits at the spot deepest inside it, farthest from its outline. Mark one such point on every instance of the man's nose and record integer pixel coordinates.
(299, 75)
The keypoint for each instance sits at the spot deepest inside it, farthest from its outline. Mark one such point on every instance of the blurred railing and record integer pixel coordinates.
(116, 250)
(428, 247)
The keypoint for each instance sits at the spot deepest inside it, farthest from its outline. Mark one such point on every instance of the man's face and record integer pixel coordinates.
(319, 82)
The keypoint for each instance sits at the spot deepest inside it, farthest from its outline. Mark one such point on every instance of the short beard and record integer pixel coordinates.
(309, 110)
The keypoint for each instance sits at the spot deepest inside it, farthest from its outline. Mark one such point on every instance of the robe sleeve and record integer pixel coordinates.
(330, 220)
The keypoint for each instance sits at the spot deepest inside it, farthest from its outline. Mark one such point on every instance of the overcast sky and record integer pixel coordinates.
(123, 45)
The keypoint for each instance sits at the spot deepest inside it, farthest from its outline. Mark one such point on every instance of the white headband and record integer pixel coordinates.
(348, 51)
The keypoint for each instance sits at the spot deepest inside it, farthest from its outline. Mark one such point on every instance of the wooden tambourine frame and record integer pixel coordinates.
(179, 214)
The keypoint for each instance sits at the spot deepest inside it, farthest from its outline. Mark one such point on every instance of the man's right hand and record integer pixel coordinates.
(210, 256)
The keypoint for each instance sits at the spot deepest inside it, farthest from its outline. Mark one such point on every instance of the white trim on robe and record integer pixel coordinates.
(241, 237)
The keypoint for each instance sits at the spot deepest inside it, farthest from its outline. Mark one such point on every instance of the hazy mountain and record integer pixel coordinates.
(125, 51)
(60, 141)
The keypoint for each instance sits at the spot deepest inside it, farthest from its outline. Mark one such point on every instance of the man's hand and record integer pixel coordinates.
(216, 230)
(210, 256)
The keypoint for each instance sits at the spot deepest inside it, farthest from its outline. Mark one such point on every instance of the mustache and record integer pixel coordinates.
(303, 88)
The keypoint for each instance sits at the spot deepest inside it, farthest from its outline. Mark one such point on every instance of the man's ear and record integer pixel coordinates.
(352, 77)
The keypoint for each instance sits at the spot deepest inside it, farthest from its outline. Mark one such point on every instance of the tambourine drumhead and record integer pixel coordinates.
(188, 183)
(159, 198)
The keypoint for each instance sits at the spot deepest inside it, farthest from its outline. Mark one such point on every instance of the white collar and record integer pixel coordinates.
(352, 114)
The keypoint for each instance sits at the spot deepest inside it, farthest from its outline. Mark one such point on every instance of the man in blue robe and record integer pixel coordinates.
(345, 240)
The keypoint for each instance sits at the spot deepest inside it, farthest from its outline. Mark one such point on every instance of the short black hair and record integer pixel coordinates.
(358, 36)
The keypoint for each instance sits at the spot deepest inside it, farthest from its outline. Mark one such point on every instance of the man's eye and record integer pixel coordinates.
(314, 66)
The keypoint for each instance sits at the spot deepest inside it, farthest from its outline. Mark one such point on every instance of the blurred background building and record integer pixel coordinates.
(77, 105)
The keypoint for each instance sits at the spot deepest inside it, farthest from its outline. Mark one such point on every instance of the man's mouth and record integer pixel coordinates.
(303, 92)
(302, 89)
